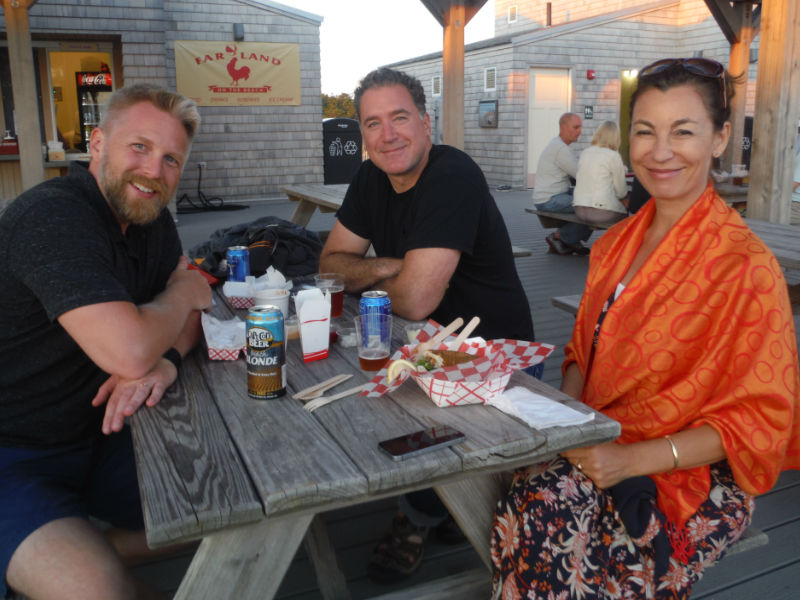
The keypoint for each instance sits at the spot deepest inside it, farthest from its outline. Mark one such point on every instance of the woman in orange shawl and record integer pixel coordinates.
(685, 336)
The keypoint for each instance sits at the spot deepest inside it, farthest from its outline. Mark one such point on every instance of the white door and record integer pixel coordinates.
(548, 99)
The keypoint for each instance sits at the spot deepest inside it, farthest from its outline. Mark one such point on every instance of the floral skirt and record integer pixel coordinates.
(556, 536)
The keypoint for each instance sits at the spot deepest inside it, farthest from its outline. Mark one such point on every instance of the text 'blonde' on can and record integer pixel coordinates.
(266, 353)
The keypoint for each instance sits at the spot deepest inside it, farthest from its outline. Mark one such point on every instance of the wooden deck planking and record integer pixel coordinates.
(772, 571)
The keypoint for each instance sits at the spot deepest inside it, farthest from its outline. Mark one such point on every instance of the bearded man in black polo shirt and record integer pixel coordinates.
(96, 310)
(442, 249)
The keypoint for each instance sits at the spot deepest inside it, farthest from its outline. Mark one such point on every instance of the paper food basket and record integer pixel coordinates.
(241, 301)
(475, 382)
(224, 339)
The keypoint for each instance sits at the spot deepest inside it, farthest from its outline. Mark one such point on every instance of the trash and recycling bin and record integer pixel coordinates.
(341, 141)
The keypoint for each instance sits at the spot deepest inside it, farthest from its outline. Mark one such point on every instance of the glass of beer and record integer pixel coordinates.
(374, 339)
(333, 283)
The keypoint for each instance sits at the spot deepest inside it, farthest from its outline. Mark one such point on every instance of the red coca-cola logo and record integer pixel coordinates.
(94, 78)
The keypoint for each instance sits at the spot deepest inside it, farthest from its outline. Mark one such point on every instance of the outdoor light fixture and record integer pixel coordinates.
(238, 31)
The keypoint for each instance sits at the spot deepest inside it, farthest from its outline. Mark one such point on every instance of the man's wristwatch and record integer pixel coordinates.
(173, 356)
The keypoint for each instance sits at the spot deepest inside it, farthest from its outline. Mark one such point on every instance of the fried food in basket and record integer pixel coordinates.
(431, 359)
(450, 357)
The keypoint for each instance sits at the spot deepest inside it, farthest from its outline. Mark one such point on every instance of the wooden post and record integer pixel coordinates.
(777, 112)
(453, 67)
(23, 79)
(739, 63)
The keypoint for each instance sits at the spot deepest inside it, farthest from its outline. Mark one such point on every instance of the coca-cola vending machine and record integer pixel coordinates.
(94, 88)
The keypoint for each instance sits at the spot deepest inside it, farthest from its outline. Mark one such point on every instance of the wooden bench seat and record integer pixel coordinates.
(567, 303)
(519, 251)
(554, 220)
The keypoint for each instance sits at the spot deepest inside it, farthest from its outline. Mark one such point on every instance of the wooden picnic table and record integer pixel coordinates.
(783, 240)
(328, 198)
(248, 476)
(734, 195)
(313, 196)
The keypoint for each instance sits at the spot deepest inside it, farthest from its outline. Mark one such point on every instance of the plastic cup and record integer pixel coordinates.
(374, 340)
(333, 283)
(275, 297)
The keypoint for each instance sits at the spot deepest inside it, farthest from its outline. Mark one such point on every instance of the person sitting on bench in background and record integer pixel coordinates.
(601, 192)
(552, 192)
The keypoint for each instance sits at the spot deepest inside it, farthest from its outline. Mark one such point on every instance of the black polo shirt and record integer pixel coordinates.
(62, 248)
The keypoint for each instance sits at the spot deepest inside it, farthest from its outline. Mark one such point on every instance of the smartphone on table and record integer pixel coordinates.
(420, 442)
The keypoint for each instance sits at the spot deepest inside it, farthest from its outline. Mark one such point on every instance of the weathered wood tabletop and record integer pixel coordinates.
(248, 476)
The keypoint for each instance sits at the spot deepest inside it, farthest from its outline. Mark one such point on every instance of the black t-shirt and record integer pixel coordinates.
(449, 207)
(61, 248)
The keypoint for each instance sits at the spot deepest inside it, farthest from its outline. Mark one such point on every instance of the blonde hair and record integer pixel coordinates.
(607, 136)
(180, 107)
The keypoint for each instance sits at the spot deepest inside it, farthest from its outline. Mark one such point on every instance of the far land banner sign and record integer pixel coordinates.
(238, 73)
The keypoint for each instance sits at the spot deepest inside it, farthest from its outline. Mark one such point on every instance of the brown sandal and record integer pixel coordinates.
(399, 553)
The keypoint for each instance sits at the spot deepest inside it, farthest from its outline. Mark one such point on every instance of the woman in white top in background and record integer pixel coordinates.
(600, 189)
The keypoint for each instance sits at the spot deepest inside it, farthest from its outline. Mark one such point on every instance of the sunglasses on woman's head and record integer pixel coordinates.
(704, 67)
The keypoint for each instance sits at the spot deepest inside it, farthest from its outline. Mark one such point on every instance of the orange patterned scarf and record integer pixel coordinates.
(702, 334)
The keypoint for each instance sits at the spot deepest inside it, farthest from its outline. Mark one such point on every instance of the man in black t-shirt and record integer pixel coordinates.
(97, 308)
(442, 249)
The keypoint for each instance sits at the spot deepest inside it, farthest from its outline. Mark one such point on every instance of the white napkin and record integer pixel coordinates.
(537, 411)
(224, 335)
(272, 279)
(246, 289)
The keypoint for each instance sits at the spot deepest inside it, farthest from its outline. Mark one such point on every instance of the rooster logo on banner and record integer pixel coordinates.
(236, 74)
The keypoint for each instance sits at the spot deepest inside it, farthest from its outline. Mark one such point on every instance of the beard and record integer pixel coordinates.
(134, 211)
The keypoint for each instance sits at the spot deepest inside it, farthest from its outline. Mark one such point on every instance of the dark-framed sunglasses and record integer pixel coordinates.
(704, 67)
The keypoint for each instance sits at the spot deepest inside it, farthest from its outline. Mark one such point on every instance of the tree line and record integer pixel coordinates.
(338, 106)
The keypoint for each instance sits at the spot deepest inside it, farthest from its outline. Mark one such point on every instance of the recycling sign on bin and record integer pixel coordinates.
(341, 140)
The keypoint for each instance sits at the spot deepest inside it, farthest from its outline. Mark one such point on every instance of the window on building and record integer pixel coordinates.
(490, 79)
(436, 85)
(512, 13)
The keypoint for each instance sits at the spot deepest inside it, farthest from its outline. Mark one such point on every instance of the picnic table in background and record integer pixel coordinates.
(734, 195)
(783, 240)
(248, 476)
(313, 196)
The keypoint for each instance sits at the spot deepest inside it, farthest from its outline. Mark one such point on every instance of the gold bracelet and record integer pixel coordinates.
(674, 451)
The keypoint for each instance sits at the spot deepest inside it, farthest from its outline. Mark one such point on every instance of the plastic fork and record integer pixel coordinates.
(323, 400)
(315, 391)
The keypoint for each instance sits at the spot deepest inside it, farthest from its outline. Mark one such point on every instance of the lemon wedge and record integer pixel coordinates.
(397, 367)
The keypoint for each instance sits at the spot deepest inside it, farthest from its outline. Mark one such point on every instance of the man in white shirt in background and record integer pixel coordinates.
(552, 192)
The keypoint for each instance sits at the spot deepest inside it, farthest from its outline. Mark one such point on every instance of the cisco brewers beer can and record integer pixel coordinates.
(266, 357)
(238, 258)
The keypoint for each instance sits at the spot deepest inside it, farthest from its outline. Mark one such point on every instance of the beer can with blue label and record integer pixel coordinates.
(238, 258)
(266, 353)
(375, 302)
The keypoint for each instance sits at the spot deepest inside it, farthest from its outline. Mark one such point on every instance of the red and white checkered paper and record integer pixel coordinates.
(241, 301)
(475, 382)
(224, 353)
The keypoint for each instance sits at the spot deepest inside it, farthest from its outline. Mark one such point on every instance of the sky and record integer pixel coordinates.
(357, 36)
